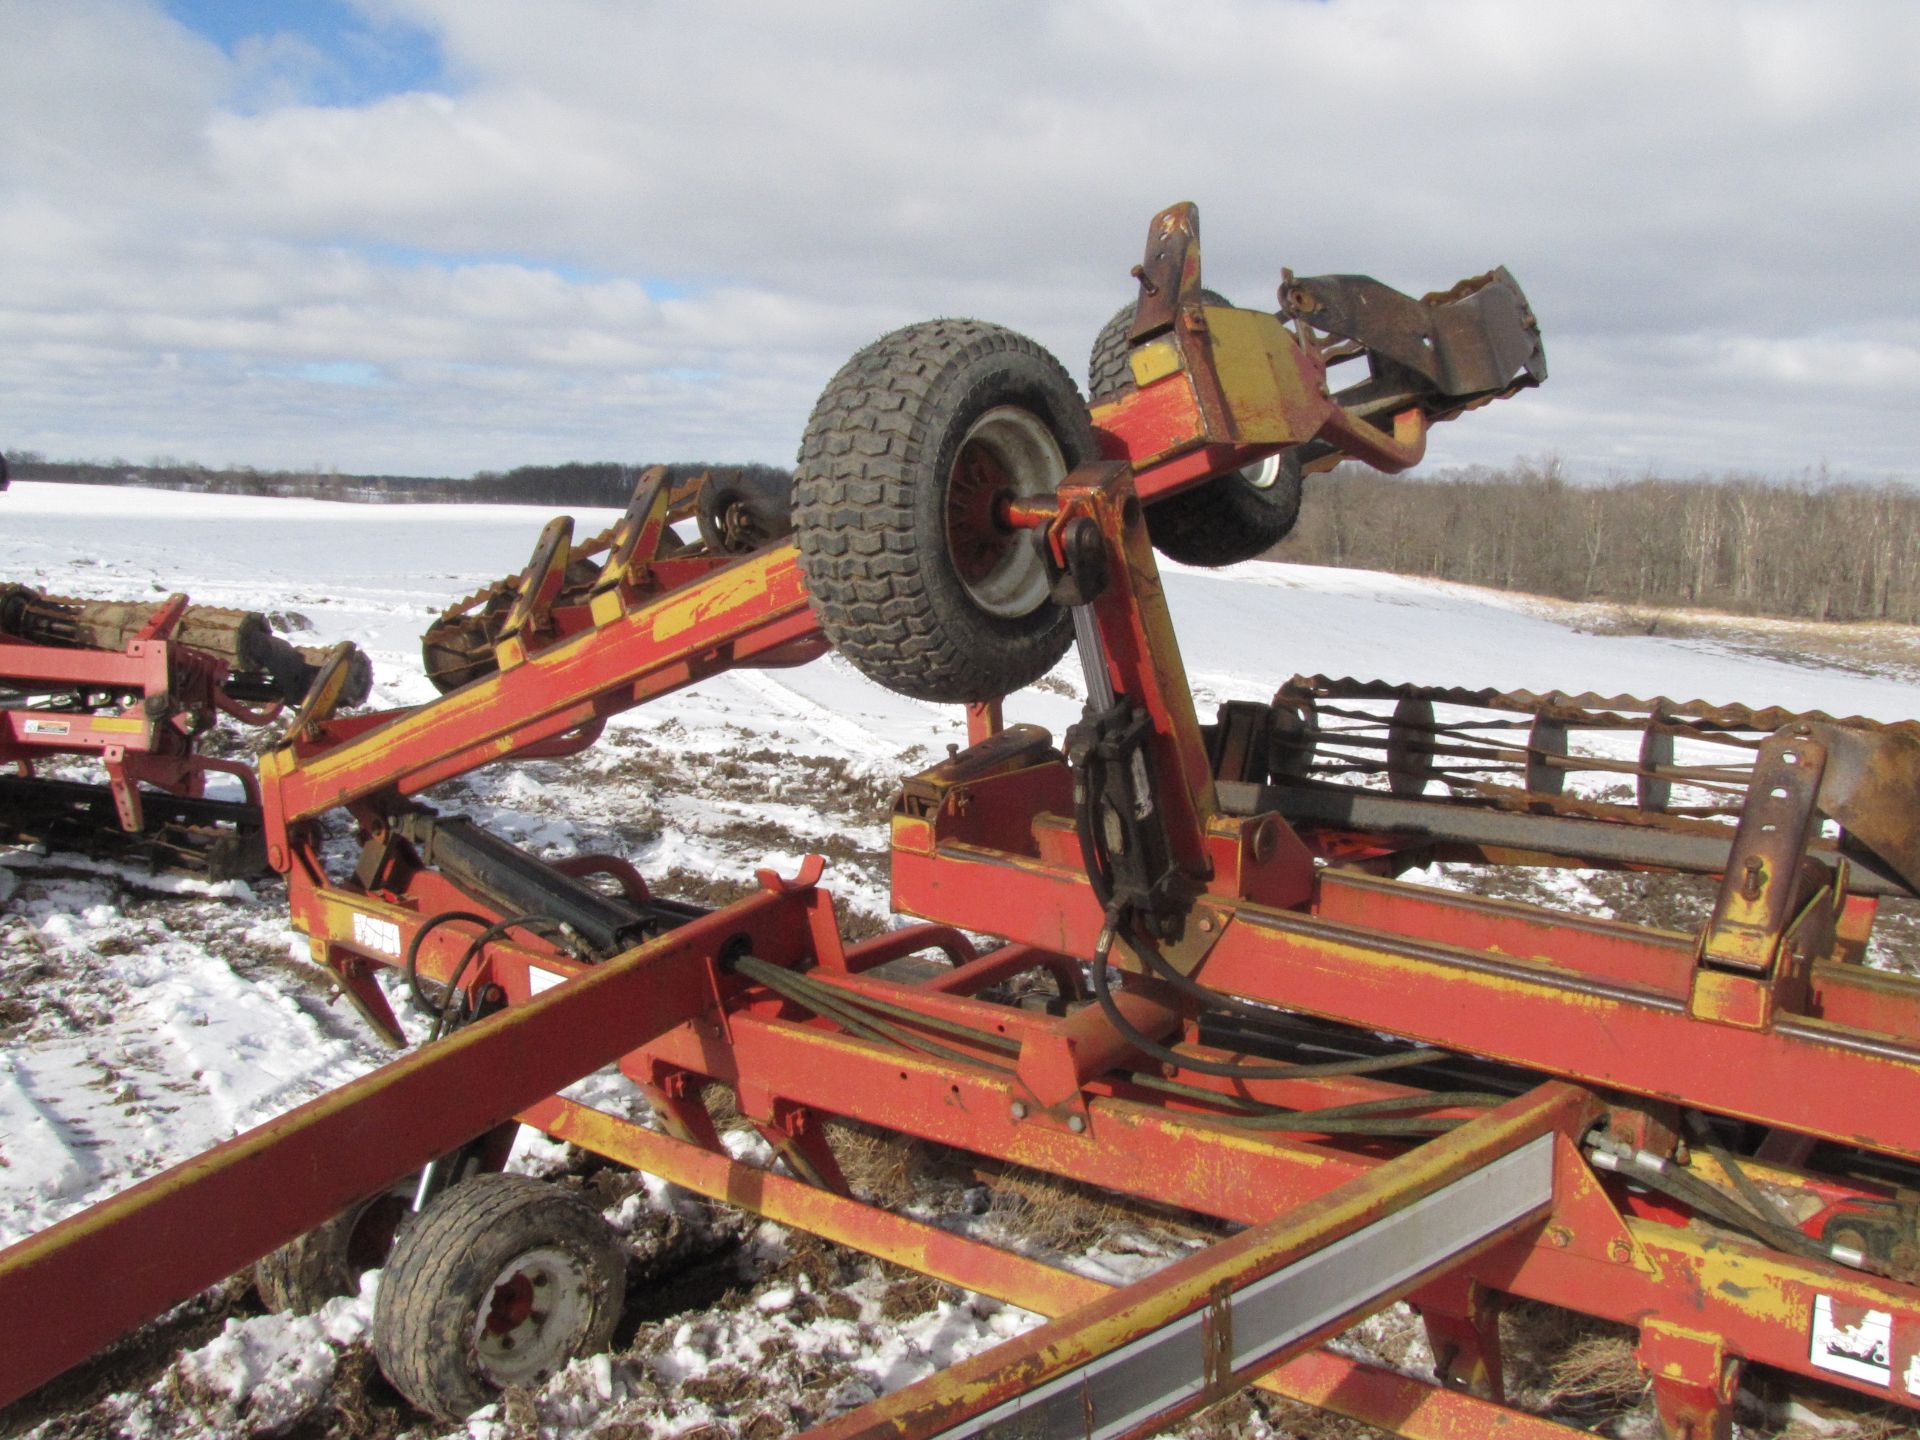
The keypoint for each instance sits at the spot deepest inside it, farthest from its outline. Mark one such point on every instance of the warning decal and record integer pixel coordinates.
(1852, 1340)
(372, 934)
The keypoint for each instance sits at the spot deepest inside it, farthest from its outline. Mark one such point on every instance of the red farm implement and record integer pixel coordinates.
(135, 688)
(1400, 1092)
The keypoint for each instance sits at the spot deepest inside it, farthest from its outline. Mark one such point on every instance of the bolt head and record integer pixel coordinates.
(1018, 1109)
(1077, 1123)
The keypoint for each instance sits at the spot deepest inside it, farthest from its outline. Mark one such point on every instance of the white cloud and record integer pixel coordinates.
(635, 231)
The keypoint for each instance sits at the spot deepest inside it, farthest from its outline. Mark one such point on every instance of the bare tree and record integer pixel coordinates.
(1816, 548)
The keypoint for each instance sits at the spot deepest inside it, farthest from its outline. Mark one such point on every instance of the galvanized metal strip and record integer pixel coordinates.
(1161, 1370)
(1381, 1258)
(1416, 1408)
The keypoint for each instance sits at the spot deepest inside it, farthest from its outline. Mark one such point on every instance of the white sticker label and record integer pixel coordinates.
(1854, 1341)
(48, 727)
(372, 934)
(538, 979)
(1913, 1375)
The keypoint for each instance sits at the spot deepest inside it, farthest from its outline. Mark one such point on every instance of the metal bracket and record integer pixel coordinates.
(1473, 339)
(1170, 273)
(636, 540)
(539, 587)
(1759, 891)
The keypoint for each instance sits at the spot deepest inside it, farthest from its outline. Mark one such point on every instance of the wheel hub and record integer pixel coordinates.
(1007, 454)
(532, 1317)
(979, 537)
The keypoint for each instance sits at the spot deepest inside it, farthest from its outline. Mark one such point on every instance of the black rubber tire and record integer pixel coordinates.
(329, 1259)
(1228, 519)
(441, 1283)
(1108, 373)
(1224, 520)
(871, 499)
(737, 514)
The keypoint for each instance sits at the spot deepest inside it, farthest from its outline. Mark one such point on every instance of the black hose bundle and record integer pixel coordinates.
(1089, 785)
(491, 930)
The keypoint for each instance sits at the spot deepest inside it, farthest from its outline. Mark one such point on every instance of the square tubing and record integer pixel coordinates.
(726, 617)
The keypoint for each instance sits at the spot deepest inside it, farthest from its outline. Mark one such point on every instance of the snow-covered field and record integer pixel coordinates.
(144, 1020)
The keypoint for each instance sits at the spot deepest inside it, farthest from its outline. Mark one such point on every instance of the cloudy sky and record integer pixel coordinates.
(436, 236)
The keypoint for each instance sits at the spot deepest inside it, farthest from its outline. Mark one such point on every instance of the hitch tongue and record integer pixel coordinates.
(1479, 338)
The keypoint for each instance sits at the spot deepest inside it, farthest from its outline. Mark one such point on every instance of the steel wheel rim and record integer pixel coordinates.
(1262, 474)
(1006, 454)
(531, 1317)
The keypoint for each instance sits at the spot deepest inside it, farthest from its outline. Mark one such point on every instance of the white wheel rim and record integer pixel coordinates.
(1262, 474)
(1001, 569)
(532, 1317)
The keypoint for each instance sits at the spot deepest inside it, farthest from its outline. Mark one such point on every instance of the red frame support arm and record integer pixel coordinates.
(193, 1225)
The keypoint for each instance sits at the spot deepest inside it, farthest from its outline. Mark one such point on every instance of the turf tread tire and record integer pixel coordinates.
(869, 508)
(429, 1295)
(306, 1272)
(1226, 520)
(319, 1266)
(1108, 372)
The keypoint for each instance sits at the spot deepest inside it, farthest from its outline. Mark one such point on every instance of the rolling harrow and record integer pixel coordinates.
(1398, 1091)
(1587, 780)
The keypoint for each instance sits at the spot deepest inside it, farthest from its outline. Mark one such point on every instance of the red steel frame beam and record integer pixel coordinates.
(191, 1226)
(1592, 1258)
(727, 618)
(1801, 1073)
(143, 669)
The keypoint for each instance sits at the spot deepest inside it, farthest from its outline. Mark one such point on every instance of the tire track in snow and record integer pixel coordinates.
(852, 738)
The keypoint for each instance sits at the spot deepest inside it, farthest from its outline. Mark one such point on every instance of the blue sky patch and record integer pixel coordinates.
(319, 52)
(418, 257)
(340, 372)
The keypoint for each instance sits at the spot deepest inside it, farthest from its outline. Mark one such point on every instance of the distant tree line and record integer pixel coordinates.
(590, 483)
(1812, 549)
(577, 483)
